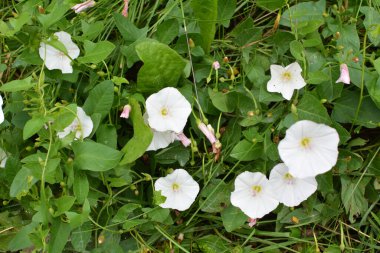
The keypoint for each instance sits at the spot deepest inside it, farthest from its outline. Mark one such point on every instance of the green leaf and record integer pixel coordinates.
(95, 156)
(100, 99)
(58, 11)
(317, 77)
(376, 64)
(225, 102)
(247, 151)
(270, 5)
(353, 197)
(297, 49)
(91, 31)
(212, 244)
(81, 236)
(64, 204)
(162, 66)
(215, 196)
(18, 85)
(130, 224)
(96, 52)
(107, 135)
(167, 31)
(233, 218)
(124, 212)
(349, 38)
(226, 10)
(173, 154)
(21, 240)
(372, 23)
(304, 17)
(60, 232)
(15, 24)
(142, 136)
(65, 116)
(80, 186)
(22, 182)
(32, 126)
(373, 87)
(310, 108)
(128, 30)
(206, 13)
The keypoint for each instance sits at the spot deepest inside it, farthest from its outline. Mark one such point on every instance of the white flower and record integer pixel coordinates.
(167, 110)
(344, 75)
(82, 126)
(55, 59)
(285, 80)
(179, 188)
(83, 6)
(3, 158)
(161, 139)
(309, 149)
(253, 194)
(1, 110)
(290, 190)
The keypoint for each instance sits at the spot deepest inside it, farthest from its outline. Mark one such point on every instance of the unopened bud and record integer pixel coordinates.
(191, 43)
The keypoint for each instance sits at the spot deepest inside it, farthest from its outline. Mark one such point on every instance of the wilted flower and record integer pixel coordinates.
(179, 188)
(285, 80)
(309, 149)
(290, 190)
(3, 158)
(83, 6)
(1, 110)
(82, 126)
(125, 9)
(344, 74)
(216, 65)
(252, 222)
(55, 59)
(253, 194)
(208, 131)
(167, 110)
(183, 139)
(126, 110)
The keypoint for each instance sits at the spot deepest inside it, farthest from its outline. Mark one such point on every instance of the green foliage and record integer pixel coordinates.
(96, 52)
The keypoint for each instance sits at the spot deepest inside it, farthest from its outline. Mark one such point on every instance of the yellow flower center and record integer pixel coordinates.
(286, 76)
(164, 111)
(288, 176)
(175, 187)
(305, 142)
(256, 189)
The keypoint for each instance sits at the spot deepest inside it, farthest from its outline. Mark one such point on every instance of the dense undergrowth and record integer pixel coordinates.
(77, 177)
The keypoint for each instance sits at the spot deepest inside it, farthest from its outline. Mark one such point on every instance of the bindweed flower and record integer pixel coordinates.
(161, 139)
(125, 9)
(285, 80)
(82, 126)
(183, 139)
(290, 190)
(344, 75)
(3, 158)
(179, 188)
(216, 65)
(1, 110)
(251, 222)
(55, 59)
(309, 149)
(167, 110)
(83, 6)
(126, 110)
(253, 194)
(208, 131)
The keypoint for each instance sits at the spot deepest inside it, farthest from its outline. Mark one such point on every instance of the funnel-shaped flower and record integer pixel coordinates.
(126, 110)
(55, 59)
(82, 126)
(208, 131)
(344, 74)
(309, 149)
(285, 80)
(253, 194)
(290, 190)
(183, 139)
(179, 188)
(167, 110)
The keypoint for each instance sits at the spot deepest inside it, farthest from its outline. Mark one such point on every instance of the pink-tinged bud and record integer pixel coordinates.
(344, 74)
(252, 222)
(216, 65)
(207, 131)
(83, 6)
(126, 110)
(125, 9)
(185, 141)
